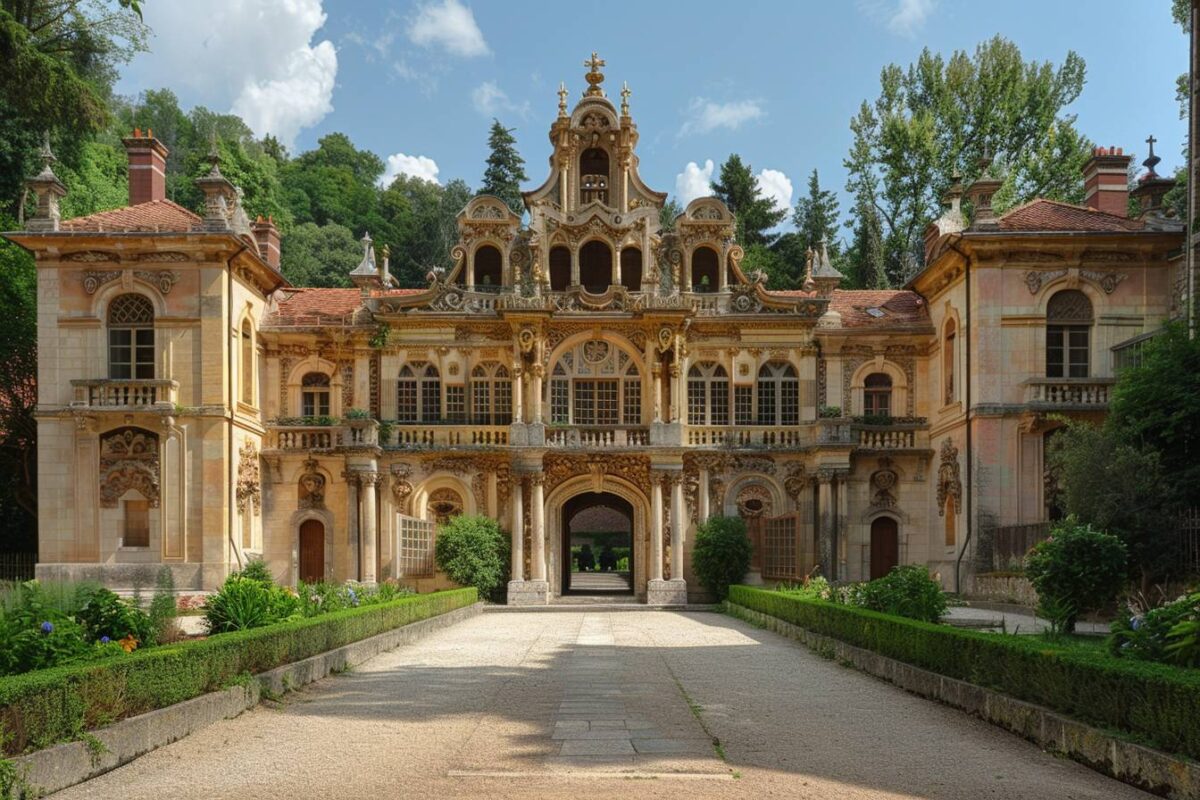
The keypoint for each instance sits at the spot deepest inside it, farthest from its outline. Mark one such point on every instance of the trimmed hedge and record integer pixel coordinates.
(41, 708)
(1155, 703)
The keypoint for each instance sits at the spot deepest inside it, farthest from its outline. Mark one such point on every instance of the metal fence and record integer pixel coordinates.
(1189, 541)
(17, 566)
(1010, 543)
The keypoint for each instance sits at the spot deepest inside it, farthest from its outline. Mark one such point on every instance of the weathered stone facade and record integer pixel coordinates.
(586, 351)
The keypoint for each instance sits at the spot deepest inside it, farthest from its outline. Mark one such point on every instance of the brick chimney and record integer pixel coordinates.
(1106, 181)
(267, 237)
(147, 167)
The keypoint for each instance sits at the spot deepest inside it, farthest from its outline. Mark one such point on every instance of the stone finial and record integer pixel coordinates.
(562, 99)
(366, 274)
(1152, 160)
(824, 267)
(980, 193)
(625, 98)
(594, 76)
(48, 189)
(220, 196)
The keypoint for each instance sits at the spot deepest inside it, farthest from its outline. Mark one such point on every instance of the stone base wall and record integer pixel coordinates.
(126, 579)
(1002, 588)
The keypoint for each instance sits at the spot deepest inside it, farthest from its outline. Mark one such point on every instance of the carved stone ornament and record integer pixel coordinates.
(949, 485)
(402, 488)
(595, 351)
(559, 467)
(94, 279)
(1036, 279)
(666, 337)
(796, 480)
(526, 339)
(164, 257)
(249, 483)
(163, 279)
(312, 486)
(753, 501)
(91, 257)
(1106, 280)
(128, 460)
(883, 481)
(444, 504)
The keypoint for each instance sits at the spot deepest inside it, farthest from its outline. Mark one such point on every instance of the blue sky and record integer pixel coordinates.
(418, 82)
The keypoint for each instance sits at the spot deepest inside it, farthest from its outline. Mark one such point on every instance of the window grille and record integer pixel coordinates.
(560, 401)
(632, 409)
(456, 405)
(131, 338)
(779, 547)
(743, 405)
(415, 550)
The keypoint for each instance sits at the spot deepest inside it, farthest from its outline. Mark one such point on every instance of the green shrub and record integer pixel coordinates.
(40, 708)
(256, 570)
(245, 602)
(721, 554)
(163, 610)
(473, 551)
(1152, 702)
(38, 629)
(906, 591)
(1076, 570)
(1144, 636)
(105, 615)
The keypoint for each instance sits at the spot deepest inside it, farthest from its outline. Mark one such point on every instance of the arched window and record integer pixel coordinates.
(491, 395)
(595, 267)
(489, 267)
(949, 355)
(778, 394)
(593, 176)
(1068, 335)
(631, 269)
(418, 394)
(596, 383)
(877, 395)
(705, 270)
(708, 394)
(247, 354)
(131, 338)
(560, 268)
(314, 395)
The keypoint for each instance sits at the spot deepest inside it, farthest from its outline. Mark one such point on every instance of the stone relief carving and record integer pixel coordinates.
(795, 482)
(402, 488)
(312, 486)
(163, 279)
(165, 257)
(94, 279)
(560, 467)
(444, 504)
(1036, 279)
(949, 479)
(249, 483)
(91, 257)
(1107, 280)
(883, 482)
(128, 460)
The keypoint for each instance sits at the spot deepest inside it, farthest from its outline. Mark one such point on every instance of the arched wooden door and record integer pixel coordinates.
(312, 551)
(885, 546)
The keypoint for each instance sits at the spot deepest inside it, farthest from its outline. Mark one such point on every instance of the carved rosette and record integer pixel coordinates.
(249, 483)
(883, 484)
(949, 487)
(128, 460)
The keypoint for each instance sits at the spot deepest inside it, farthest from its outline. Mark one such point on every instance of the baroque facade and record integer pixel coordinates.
(196, 410)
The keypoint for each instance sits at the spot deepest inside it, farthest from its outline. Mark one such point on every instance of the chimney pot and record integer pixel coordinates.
(266, 236)
(147, 168)
(1106, 180)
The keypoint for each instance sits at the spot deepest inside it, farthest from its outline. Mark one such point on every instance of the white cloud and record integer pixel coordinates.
(415, 166)
(777, 186)
(705, 115)
(257, 59)
(695, 181)
(902, 17)
(449, 25)
(492, 101)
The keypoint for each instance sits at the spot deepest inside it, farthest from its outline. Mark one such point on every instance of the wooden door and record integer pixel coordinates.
(885, 546)
(312, 551)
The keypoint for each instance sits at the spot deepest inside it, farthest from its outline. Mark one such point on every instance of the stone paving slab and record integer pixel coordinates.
(471, 712)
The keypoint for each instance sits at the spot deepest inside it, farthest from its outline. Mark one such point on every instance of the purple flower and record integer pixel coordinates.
(47, 627)
(105, 640)
(1135, 622)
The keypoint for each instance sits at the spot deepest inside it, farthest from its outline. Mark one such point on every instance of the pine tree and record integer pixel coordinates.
(505, 168)
(816, 217)
(756, 215)
(866, 262)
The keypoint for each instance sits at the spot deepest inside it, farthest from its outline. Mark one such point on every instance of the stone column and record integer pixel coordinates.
(656, 527)
(518, 393)
(518, 528)
(723, 270)
(678, 526)
(841, 527)
(702, 498)
(825, 522)
(574, 266)
(685, 273)
(351, 524)
(538, 512)
(536, 391)
(676, 383)
(616, 266)
(370, 481)
(657, 370)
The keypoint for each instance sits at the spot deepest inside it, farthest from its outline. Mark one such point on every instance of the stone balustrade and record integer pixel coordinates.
(598, 438)
(891, 437)
(304, 437)
(1069, 393)
(124, 394)
(428, 436)
(751, 436)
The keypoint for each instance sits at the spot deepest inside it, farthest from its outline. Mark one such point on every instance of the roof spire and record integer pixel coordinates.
(625, 98)
(562, 99)
(594, 76)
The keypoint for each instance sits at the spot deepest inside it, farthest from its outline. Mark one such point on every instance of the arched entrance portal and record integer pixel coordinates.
(885, 546)
(597, 543)
(312, 551)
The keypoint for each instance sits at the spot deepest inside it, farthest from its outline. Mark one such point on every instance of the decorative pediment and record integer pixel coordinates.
(128, 460)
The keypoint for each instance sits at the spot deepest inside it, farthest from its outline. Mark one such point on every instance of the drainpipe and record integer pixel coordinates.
(967, 406)
(231, 398)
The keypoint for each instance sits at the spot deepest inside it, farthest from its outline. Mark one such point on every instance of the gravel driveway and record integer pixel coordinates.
(601, 704)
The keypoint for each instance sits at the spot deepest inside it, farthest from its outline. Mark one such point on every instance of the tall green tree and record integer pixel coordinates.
(425, 216)
(667, 214)
(505, 168)
(816, 217)
(938, 118)
(756, 214)
(319, 255)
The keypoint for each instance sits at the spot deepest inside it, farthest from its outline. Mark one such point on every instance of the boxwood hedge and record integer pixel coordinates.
(1154, 703)
(38, 709)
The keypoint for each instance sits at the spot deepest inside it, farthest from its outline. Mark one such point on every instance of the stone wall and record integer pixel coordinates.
(1002, 587)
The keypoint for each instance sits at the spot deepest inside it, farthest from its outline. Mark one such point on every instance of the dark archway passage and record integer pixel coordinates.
(597, 544)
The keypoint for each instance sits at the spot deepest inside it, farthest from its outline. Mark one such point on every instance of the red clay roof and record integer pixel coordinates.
(894, 307)
(156, 215)
(321, 306)
(1051, 215)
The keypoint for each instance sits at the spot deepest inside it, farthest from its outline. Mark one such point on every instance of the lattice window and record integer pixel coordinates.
(130, 338)
(631, 409)
(578, 396)
(491, 395)
(406, 395)
(778, 394)
(780, 560)
(560, 400)
(743, 405)
(456, 405)
(481, 397)
(419, 394)
(415, 551)
(708, 394)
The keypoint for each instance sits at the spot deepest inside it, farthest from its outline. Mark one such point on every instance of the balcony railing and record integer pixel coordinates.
(1069, 393)
(596, 438)
(747, 436)
(421, 436)
(351, 434)
(112, 393)
(891, 437)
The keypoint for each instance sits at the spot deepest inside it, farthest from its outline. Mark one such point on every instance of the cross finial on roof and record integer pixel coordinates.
(594, 76)
(595, 62)
(625, 98)
(1152, 160)
(562, 99)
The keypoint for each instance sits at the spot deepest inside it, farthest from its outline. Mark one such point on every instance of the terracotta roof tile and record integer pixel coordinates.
(157, 215)
(322, 306)
(1051, 215)
(893, 307)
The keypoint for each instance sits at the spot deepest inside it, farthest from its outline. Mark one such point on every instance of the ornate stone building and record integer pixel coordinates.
(580, 371)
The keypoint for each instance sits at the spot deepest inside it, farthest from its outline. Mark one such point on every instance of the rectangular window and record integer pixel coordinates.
(481, 402)
(877, 403)
(719, 403)
(631, 411)
(596, 402)
(456, 406)
(743, 405)
(120, 354)
(789, 405)
(314, 403)
(503, 403)
(606, 403)
(247, 369)
(406, 401)
(766, 403)
(560, 401)
(697, 401)
(143, 354)
(1067, 351)
(779, 546)
(1055, 351)
(431, 400)
(415, 548)
(136, 527)
(1077, 352)
(585, 403)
